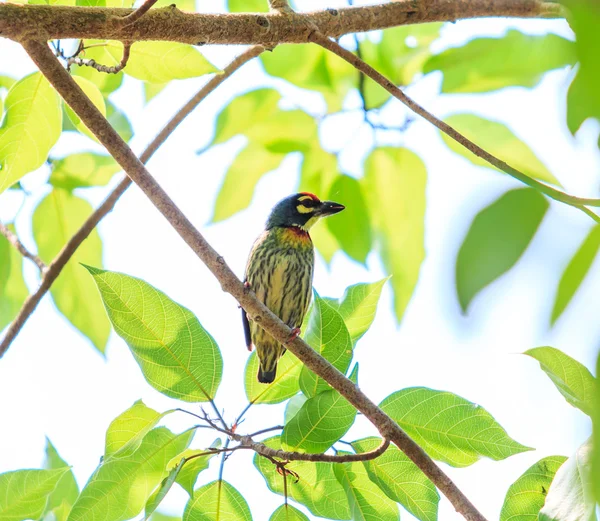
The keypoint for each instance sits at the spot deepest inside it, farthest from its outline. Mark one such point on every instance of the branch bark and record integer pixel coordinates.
(56, 266)
(14, 240)
(42, 22)
(362, 66)
(93, 119)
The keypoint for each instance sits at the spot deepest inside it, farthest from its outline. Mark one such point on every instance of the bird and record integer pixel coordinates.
(280, 272)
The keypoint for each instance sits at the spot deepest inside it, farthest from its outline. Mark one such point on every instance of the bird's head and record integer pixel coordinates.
(302, 210)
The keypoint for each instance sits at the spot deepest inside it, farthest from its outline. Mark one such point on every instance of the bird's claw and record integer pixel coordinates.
(294, 334)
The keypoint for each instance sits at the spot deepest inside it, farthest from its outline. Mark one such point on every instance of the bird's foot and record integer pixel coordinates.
(294, 334)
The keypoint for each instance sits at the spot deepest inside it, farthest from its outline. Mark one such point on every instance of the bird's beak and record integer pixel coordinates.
(329, 208)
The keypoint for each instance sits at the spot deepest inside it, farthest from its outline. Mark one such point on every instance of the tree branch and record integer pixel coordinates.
(114, 69)
(56, 266)
(557, 195)
(14, 240)
(259, 313)
(37, 22)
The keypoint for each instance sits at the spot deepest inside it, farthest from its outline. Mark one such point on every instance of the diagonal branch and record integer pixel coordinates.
(388, 428)
(52, 22)
(358, 63)
(15, 241)
(56, 266)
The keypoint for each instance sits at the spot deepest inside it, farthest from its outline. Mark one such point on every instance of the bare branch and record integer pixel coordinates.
(106, 207)
(263, 450)
(388, 428)
(280, 5)
(557, 195)
(114, 69)
(14, 240)
(247, 442)
(22, 22)
(137, 14)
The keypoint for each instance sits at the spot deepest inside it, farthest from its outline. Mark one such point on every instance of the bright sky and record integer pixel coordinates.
(54, 384)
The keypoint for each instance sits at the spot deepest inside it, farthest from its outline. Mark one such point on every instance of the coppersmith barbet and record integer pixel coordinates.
(280, 272)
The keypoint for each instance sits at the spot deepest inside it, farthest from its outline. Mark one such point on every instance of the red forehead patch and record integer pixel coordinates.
(312, 196)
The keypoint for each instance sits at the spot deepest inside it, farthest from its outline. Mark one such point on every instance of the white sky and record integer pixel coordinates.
(54, 384)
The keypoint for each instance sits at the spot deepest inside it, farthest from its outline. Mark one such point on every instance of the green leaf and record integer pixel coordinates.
(477, 66)
(63, 497)
(526, 496)
(285, 131)
(358, 306)
(120, 487)
(401, 480)
(569, 497)
(83, 170)
(399, 55)
(327, 335)
(151, 90)
(353, 228)
(247, 168)
(95, 96)
(294, 404)
(13, 290)
(582, 100)
(188, 475)
(217, 501)
(6, 82)
(23, 493)
(313, 68)
(367, 501)
(317, 488)
(321, 421)
(575, 272)
(31, 126)
(175, 353)
(247, 6)
(497, 139)
(596, 440)
(394, 184)
(285, 385)
(160, 493)
(125, 433)
(119, 122)
(161, 62)
(97, 50)
(572, 379)
(448, 427)
(288, 513)
(244, 112)
(498, 237)
(55, 220)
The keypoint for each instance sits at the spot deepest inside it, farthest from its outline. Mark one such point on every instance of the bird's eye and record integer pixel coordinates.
(307, 201)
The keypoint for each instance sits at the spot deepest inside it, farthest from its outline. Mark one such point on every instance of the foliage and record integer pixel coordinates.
(385, 221)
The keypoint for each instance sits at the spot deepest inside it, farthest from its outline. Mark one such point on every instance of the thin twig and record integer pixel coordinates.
(269, 429)
(137, 14)
(557, 195)
(114, 69)
(106, 207)
(280, 5)
(14, 240)
(64, 84)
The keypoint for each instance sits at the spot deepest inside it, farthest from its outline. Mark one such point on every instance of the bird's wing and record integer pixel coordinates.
(247, 330)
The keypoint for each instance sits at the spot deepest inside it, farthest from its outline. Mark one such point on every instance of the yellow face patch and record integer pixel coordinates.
(310, 222)
(304, 198)
(304, 209)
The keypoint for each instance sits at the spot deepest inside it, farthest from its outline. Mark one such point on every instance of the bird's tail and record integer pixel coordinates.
(269, 355)
(267, 377)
